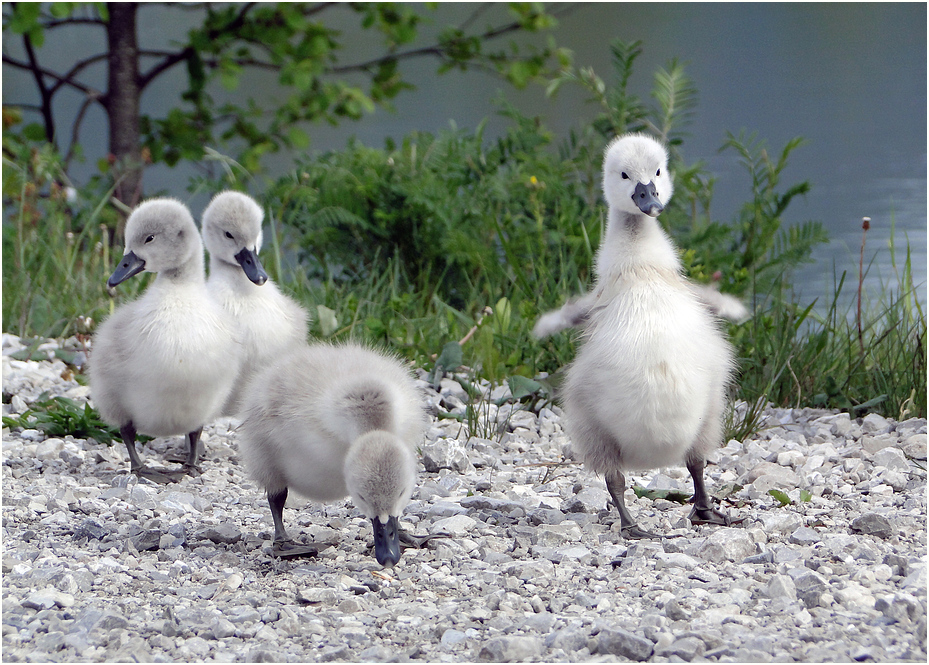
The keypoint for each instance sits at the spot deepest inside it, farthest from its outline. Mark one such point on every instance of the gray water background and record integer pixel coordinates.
(850, 78)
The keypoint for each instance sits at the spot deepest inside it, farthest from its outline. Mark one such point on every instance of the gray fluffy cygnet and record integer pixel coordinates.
(329, 421)
(648, 386)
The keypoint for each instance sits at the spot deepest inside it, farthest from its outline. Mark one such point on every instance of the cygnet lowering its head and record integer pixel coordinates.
(330, 421)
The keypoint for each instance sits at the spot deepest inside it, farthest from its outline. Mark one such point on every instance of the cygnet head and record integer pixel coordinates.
(161, 237)
(232, 233)
(635, 175)
(380, 472)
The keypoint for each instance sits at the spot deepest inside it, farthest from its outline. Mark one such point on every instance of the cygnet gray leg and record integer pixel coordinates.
(193, 440)
(128, 432)
(703, 511)
(283, 546)
(616, 484)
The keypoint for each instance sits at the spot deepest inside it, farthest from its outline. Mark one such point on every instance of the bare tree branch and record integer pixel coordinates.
(46, 107)
(19, 64)
(57, 23)
(71, 73)
(75, 129)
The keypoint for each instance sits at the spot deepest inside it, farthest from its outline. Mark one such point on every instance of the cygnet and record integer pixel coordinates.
(329, 421)
(648, 386)
(165, 363)
(269, 322)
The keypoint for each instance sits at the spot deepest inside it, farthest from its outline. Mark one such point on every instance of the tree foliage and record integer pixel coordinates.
(292, 42)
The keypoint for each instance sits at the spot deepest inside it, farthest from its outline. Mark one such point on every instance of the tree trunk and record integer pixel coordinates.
(122, 101)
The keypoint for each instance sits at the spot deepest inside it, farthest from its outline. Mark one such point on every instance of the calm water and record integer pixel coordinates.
(850, 78)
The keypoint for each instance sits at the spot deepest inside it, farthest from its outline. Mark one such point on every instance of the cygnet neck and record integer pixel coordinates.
(634, 241)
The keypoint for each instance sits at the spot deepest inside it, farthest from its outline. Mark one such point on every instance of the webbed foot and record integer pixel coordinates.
(409, 540)
(635, 532)
(160, 477)
(711, 516)
(288, 549)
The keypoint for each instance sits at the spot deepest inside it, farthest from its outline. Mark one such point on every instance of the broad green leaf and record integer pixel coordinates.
(521, 387)
(781, 497)
(34, 132)
(669, 495)
(298, 138)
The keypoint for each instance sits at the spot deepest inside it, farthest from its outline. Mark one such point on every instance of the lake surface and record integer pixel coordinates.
(850, 78)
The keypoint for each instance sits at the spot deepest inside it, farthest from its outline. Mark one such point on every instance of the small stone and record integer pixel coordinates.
(49, 449)
(804, 536)
(509, 649)
(222, 628)
(452, 637)
(319, 595)
(555, 535)
(90, 528)
(902, 608)
(874, 423)
(915, 446)
(456, 525)
(48, 598)
(781, 586)
(147, 540)
(622, 643)
(726, 544)
(675, 560)
(874, 524)
(892, 458)
(675, 611)
(872, 444)
(686, 648)
(588, 500)
(259, 655)
(781, 520)
(223, 534)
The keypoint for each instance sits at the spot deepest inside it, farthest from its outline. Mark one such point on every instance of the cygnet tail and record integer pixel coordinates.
(367, 406)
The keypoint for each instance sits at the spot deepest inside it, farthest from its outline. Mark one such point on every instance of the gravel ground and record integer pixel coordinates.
(101, 566)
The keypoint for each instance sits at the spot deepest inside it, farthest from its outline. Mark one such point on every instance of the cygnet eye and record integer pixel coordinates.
(149, 239)
(625, 177)
(229, 235)
(657, 173)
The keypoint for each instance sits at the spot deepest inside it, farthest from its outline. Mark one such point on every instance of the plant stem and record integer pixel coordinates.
(865, 225)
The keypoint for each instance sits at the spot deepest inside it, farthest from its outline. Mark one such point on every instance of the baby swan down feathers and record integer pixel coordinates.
(330, 421)
(648, 386)
(268, 321)
(163, 364)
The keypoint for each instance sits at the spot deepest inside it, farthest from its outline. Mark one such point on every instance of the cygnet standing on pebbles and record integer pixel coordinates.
(165, 363)
(269, 322)
(648, 386)
(330, 421)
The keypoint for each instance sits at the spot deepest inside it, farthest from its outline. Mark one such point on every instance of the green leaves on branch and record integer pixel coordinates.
(291, 41)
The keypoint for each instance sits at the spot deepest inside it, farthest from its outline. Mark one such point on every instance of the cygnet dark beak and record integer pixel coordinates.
(252, 266)
(386, 541)
(646, 198)
(128, 266)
